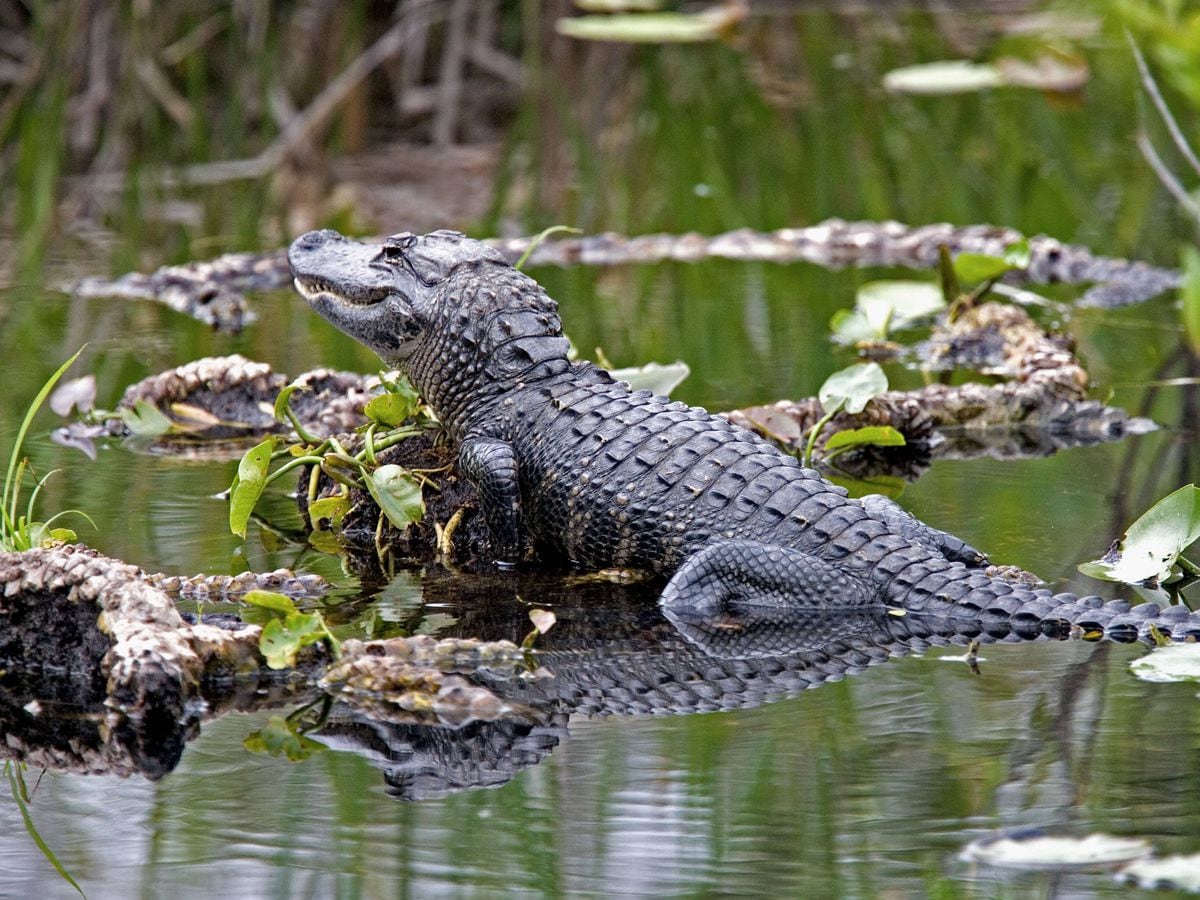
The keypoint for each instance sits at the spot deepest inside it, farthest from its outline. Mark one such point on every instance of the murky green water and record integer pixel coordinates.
(864, 787)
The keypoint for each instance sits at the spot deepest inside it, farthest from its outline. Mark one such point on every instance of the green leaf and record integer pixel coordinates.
(332, 508)
(21, 797)
(271, 600)
(878, 435)
(976, 267)
(398, 495)
(325, 542)
(654, 377)
(281, 400)
(12, 485)
(898, 304)
(396, 383)
(884, 306)
(1017, 254)
(1153, 544)
(1173, 662)
(391, 409)
(279, 737)
(248, 485)
(853, 387)
(42, 535)
(283, 638)
(539, 238)
(850, 327)
(947, 276)
(957, 76)
(145, 420)
(1190, 294)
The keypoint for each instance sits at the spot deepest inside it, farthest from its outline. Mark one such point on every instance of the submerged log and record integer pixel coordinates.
(213, 290)
(82, 630)
(218, 406)
(1041, 409)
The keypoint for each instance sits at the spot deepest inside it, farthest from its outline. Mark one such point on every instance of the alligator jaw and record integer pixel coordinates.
(311, 289)
(332, 270)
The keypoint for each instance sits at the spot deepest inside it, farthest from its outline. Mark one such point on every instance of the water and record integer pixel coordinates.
(864, 786)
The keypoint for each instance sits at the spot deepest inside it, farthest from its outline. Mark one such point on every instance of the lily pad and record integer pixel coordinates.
(881, 307)
(902, 302)
(955, 76)
(1180, 873)
(1174, 662)
(648, 28)
(1153, 543)
(1034, 850)
(853, 387)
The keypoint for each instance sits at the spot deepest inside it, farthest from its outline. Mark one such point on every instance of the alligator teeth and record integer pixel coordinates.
(302, 288)
(311, 288)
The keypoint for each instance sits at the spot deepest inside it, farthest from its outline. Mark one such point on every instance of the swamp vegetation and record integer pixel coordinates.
(135, 136)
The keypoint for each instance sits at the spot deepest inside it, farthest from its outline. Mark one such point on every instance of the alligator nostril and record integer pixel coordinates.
(311, 240)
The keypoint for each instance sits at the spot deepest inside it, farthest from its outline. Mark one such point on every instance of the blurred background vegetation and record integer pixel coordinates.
(134, 133)
(137, 134)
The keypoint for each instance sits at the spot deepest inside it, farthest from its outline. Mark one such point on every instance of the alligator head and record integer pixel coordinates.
(447, 310)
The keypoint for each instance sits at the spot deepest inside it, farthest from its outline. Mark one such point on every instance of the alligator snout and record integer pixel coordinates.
(313, 240)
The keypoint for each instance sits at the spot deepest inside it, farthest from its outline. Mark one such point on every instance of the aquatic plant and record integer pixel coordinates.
(20, 531)
(1151, 552)
(851, 389)
(15, 773)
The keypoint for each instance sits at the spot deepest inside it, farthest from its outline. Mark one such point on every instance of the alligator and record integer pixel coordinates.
(570, 462)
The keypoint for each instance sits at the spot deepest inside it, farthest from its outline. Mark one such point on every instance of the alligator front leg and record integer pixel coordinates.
(491, 465)
(725, 574)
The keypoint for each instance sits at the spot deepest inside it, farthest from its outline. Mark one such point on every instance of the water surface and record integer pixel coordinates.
(861, 787)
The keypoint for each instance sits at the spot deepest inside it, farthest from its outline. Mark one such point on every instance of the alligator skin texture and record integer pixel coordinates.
(571, 462)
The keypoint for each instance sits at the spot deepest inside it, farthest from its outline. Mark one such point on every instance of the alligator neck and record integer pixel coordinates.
(495, 331)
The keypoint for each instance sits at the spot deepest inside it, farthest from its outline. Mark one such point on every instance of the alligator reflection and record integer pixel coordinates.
(614, 652)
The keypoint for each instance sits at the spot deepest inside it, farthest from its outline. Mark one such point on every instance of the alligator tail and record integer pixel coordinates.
(1011, 611)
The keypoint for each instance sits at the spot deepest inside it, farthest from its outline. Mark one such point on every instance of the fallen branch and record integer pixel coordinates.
(211, 290)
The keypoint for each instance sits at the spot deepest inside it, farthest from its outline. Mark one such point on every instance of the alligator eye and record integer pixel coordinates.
(396, 246)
